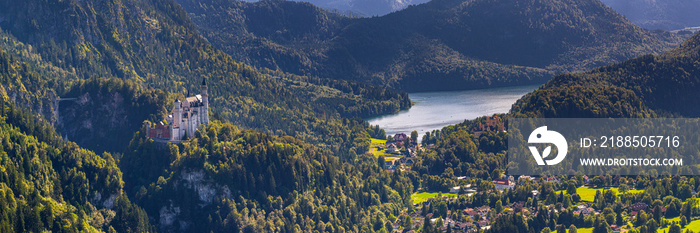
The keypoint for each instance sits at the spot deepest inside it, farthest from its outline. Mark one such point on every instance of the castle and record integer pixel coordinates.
(185, 118)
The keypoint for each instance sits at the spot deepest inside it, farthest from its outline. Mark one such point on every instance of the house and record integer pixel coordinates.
(470, 212)
(639, 206)
(483, 210)
(449, 222)
(551, 179)
(411, 152)
(400, 137)
(615, 227)
(391, 148)
(409, 162)
(526, 178)
(461, 226)
(455, 189)
(502, 184)
(586, 211)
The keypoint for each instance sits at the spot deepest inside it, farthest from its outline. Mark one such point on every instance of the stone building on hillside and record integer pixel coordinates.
(185, 118)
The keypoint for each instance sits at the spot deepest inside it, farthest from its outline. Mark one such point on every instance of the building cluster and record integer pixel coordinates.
(480, 218)
(400, 139)
(493, 124)
(473, 219)
(403, 147)
(184, 120)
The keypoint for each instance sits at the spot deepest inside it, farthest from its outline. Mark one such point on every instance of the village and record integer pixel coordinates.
(400, 152)
(478, 219)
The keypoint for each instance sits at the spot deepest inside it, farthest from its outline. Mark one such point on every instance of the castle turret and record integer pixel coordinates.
(205, 103)
(177, 113)
(177, 121)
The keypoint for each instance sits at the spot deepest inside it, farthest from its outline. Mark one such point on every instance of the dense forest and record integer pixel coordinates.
(647, 86)
(286, 152)
(227, 180)
(440, 45)
(152, 44)
(47, 183)
(119, 65)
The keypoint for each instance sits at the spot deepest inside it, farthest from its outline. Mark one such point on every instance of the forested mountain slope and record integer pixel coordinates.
(440, 45)
(230, 180)
(644, 86)
(48, 184)
(153, 43)
(52, 184)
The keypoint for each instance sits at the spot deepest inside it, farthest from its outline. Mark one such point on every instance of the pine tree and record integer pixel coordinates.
(427, 226)
(674, 229)
(572, 229)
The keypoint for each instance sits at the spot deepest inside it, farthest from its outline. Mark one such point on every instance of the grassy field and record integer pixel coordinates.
(390, 159)
(423, 196)
(588, 194)
(374, 143)
(693, 226)
(582, 230)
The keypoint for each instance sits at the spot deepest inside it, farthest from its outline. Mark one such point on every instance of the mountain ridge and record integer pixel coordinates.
(466, 44)
(154, 45)
(665, 15)
(658, 85)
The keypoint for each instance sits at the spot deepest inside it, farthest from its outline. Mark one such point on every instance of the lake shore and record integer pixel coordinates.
(435, 110)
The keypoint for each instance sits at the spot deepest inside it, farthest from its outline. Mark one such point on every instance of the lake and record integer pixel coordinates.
(435, 110)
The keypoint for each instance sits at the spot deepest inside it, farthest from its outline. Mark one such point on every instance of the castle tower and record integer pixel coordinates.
(177, 113)
(205, 102)
(177, 121)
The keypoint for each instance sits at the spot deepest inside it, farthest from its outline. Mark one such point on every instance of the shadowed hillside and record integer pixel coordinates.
(440, 45)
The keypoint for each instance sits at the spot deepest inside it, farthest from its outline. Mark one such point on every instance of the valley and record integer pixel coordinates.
(311, 116)
(437, 46)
